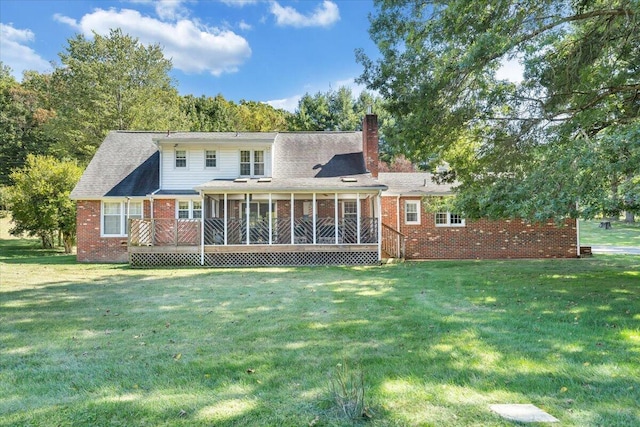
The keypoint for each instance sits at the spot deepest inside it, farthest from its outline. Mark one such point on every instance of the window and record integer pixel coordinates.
(412, 212)
(448, 219)
(181, 159)
(251, 163)
(115, 219)
(350, 210)
(210, 159)
(189, 209)
(258, 162)
(183, 209)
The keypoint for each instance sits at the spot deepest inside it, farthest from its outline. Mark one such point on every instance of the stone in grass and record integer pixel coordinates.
(523, 413)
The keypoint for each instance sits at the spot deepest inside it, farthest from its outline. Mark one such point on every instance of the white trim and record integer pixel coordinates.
(462, 222)
(190, 208)
(417, 212)
(217, 166)
(175, 159)
(124, 213)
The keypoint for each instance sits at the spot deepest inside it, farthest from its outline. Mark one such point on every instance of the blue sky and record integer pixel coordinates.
(259, 50)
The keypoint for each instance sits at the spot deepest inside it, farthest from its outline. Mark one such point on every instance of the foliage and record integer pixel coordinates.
(22, 116)
(135, 92)
(216, 114)
(525, 148)
(40, 201)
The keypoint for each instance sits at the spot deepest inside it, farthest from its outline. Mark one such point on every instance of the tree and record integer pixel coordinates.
(108, 83)
(39, 199)
(22, 118)
(520, 148)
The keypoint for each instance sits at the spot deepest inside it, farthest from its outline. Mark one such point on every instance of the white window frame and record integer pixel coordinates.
(448, 216)
(193, 211)
(175, 159)
(214, 158)
(415, 203)
(123, 206)
(252, 162)
(347, 213)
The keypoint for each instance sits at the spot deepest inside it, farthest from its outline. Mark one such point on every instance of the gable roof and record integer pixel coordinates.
(126, 164)
(413, 184)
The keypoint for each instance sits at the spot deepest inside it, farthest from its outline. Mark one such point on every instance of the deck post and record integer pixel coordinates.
(314, 214)
(335, 215)
(293, 229)
(226, 218)
(202, 230)
(378, 216)
(248, 213)
(358, 219)
(270, 220)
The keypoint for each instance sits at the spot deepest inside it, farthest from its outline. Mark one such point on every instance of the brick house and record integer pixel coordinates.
(291, 198)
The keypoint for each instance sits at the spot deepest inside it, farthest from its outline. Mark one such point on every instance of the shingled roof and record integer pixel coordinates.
(413, 184)
(126, 164)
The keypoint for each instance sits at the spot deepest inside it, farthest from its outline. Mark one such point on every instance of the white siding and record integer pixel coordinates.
(228, 165)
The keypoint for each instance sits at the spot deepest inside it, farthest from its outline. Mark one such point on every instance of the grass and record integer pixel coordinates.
(620, 234)
(437, 342)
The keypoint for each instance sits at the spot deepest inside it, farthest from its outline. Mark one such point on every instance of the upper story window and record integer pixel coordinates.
(189, 209)
(181, 158)
(115, 217)
(210, 159)
(251, 162)
(448, 219)
(412, 212)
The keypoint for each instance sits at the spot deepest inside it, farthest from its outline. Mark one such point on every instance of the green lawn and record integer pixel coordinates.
(620, 234)
(437, 342)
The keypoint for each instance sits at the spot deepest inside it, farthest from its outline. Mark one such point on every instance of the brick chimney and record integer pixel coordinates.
(370, 143)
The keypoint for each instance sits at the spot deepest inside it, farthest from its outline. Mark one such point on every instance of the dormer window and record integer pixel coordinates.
(181, 158)
(251, 163)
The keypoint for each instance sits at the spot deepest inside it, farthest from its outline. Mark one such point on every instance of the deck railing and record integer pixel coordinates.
(393, 242)
(187, 232)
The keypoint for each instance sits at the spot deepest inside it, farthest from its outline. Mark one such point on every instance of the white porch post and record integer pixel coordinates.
(313, 211)
(248, 213)
(226, 217)
(335, 215)
(293, 199)
(202, 215)
(358, 213)
(270, 218)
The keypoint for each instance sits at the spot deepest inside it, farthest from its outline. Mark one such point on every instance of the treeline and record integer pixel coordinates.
(115, 83)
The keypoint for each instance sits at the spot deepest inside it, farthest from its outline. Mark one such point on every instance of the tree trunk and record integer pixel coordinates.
(629, 217)
(68, 243)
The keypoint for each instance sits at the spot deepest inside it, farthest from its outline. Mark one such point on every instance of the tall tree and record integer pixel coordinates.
(107, 83)
(39, 199)
(22, 116)
(518, 148)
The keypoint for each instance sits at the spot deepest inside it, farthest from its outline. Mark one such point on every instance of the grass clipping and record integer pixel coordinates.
(347, 389)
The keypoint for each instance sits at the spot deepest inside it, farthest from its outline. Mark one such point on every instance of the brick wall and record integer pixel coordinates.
(482, 239)
(91, 247)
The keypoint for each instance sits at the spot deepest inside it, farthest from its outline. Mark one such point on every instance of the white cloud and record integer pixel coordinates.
(239, 3)
(244, 26)
(290, 104)
(192, 47)
(171, 9)
(324, 15)
(15, 53)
